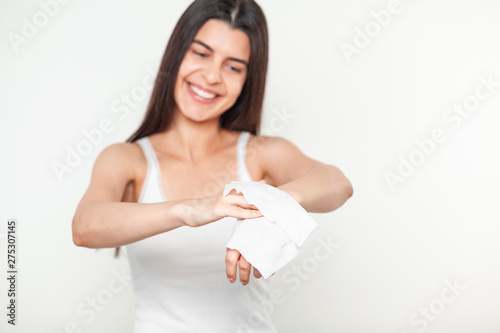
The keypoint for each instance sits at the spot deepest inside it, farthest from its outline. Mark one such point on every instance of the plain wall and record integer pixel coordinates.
(421, 255)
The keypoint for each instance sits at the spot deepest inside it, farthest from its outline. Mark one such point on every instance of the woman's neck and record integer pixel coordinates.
(194, 141)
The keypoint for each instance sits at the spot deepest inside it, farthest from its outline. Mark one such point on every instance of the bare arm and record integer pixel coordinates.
(322, 189)
(317, 187)
(101, 220)
(113, 224)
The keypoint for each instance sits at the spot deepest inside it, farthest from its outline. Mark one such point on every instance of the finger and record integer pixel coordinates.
(244, 271)
(234, 192)
(232, 257)
(239, 201)
(237, 212)
(242, 213)
(256, 273)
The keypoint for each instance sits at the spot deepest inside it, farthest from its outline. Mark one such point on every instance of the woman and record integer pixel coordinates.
(160, 194)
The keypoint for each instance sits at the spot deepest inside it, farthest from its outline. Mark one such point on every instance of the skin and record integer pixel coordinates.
(190, 152)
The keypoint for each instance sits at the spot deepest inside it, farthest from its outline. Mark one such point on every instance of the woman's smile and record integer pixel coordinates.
(201, 94)
(213, 71)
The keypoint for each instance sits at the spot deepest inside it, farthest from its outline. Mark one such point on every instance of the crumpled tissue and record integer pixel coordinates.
(271, 241)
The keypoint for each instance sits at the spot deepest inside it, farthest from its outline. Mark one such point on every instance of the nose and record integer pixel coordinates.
(212, 72)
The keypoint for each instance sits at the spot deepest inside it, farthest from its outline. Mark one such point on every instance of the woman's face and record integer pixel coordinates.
(213, 71)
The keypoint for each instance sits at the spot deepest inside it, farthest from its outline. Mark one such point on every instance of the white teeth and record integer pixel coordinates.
(202, 93)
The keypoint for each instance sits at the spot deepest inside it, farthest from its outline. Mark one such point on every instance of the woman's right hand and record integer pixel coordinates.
(201, 211)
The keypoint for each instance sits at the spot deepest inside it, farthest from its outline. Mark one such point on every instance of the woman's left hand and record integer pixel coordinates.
(235, 259)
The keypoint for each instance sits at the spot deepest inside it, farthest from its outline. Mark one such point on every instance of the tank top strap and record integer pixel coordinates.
(243, 174)
(152, 188)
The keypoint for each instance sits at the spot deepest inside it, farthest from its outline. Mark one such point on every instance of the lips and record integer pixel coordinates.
(202, 95)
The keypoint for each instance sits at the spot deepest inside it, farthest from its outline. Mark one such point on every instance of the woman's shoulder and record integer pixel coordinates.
(275, 150)
(121, 156)
(269, 144)
(122, 150)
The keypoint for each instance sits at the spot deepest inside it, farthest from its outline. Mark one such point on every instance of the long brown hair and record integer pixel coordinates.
(245, 114)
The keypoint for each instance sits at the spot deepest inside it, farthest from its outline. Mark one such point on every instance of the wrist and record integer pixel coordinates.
(179, 213)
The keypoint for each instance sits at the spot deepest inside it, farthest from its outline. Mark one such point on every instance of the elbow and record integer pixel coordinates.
(343, 191)
(78, 231)
(348, 189)
(78, 240)
(343, 185)
(77, 234)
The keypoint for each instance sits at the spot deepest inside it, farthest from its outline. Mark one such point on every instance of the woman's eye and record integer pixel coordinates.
(234, 69)
(200, 54)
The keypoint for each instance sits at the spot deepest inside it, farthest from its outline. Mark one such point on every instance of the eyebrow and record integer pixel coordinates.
(211, 50)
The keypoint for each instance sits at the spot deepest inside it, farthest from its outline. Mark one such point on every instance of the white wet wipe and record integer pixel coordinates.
(271, 241)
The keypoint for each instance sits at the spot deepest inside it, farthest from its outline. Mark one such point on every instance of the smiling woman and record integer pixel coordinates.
(218, 59)
(243, 19)
(204, 113)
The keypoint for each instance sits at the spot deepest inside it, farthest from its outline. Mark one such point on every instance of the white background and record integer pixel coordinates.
(396, 248)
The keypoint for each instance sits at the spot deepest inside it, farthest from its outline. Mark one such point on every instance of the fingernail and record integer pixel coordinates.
(244, 283)
(231, 280)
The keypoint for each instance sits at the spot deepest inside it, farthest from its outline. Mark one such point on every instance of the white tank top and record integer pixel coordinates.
(179, 277)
